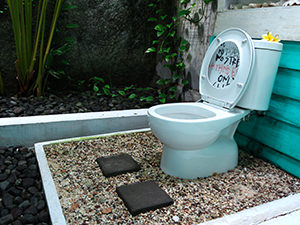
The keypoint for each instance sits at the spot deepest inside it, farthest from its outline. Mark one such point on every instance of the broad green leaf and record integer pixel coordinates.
(149, 99)
(152, 19)
(158, 11)
(184, 82)
(72, 25)
(159, 27)
(160, 33)
(121, 92)
(160, 82)
(184, 12)
(174, 18)
(162, 95)
(167, 81)
(128, 88)
(114, 95)
(98, 79)
(65, 62)
(155, 42)
(172, 34)
(106, 91)
(152, 49)
(69, 40)
(172, 96)
(132, 96)
(69, 7)
(95, 88)
(162, 100)
(167, 50)
(60, 71)
(163, 17)
(184, 1)
(169, 25)
(152, 5)
(173, 89)
(107, 86)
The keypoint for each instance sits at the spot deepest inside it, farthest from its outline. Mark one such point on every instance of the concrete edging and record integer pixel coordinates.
(27, 131)
(261, 213)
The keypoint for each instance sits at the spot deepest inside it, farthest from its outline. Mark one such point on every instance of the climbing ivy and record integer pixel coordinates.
(170, 45)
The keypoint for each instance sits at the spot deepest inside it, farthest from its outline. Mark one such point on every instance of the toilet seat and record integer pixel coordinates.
(227, 68)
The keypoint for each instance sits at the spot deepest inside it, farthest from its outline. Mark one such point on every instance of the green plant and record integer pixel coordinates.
(170, 45)
(56, 61)
(31, 45)
(103, 89)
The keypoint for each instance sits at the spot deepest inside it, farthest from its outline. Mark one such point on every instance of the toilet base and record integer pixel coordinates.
(218, 157)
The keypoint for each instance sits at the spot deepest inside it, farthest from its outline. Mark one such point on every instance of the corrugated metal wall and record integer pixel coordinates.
(276, 136)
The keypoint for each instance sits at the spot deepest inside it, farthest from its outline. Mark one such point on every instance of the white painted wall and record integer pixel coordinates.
(284, 21)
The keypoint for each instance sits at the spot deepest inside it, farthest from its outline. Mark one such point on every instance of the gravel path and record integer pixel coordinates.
(22, 199)
(87, 197)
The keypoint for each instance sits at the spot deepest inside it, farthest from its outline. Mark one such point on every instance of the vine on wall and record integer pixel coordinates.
(170, 46)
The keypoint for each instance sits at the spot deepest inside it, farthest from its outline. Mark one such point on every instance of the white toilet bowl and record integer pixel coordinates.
(189, 132)
(198, 137)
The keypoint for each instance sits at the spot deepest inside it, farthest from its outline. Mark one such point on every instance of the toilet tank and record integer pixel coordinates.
(258, 93)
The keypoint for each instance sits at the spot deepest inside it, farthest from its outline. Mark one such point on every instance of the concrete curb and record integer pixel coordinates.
(261, 213)
(27, 131)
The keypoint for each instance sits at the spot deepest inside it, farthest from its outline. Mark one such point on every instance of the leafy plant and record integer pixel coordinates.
(103, 89)
(31, 45)
(170, 45)
(56, 61)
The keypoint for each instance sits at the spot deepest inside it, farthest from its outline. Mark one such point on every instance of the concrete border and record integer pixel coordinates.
(261, 213)
(27, 131)
(55, 210)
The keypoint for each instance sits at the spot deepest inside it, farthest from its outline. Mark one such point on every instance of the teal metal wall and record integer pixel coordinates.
(276, 136)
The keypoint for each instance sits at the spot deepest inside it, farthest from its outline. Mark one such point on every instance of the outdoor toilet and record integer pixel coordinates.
(237, 76)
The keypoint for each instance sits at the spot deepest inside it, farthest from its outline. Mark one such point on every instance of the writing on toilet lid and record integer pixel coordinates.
(224, 65)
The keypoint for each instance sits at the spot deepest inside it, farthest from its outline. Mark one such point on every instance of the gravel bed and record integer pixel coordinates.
(22, 199)
(66, 103)
(87, 197)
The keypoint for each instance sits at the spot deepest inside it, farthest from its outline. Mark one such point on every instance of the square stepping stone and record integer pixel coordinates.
(117, 164)
(143, 197)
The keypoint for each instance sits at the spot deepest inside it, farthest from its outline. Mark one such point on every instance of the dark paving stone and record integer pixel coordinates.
(143, 197)
(117, 164)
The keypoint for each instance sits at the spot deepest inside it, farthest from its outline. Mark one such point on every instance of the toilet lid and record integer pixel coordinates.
(227, 68)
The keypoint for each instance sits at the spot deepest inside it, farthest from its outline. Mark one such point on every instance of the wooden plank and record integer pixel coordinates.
(282, 161)
(287, 83)
(275, 134)
(284, 21)
(285, 109)
(290, 57)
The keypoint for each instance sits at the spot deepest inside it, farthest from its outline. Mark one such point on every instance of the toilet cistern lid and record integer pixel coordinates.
(227, 68)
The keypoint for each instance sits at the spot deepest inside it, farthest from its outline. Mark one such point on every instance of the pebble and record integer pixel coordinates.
(107, 210)
(176, 219)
